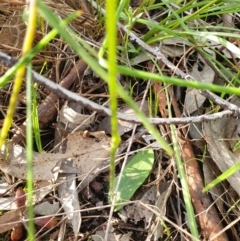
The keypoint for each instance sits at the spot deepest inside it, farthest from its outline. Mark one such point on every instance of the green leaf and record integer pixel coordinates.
(134, 174)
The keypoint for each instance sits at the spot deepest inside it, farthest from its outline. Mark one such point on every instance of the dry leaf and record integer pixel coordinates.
(4, 186)
(73, 119)
(174, 47)
(140, 58)
(151, 141)
(46, 208)
(9, 220)
(48, 222)
(86, 153)
(159, 91)
(202, 72)
(215, 133)
(95, 149)
(68, 194)
(42, 188)
(7, 203)
(157, 229)
(137, 212)
(70, 117)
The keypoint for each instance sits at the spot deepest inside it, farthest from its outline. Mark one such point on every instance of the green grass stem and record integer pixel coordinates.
(111, 29)
(29, 141)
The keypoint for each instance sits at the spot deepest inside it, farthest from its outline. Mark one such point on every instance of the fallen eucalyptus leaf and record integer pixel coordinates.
(215, 133)
(7, 203)
(86, 153)
(68, 194)
(10, 220)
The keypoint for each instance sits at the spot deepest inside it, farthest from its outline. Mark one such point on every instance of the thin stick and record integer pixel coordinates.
(232, 110)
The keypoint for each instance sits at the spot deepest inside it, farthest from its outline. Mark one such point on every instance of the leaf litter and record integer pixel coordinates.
(83, 156)
(95, 148)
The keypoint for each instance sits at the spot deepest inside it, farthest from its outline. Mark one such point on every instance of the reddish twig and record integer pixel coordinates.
(207, 214)
(47, 111)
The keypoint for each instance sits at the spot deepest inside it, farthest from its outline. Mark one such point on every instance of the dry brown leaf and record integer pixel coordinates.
(47, 222)
(86, 153)
(68, 195)
(42, 188)
(142, 57)
(70, 117)
(137, 212)
(9, 220)
(95, 149)
(4, 186)
(215, 133)
(174, 47)
(157, 229)
(159, 91)
(151, 141)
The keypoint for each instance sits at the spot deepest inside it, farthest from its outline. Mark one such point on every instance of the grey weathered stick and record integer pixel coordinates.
(66, 94)
(7, 60)
(219, 101)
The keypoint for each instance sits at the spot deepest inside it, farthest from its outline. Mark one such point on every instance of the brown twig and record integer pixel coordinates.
(207, 214)
(47, 111)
